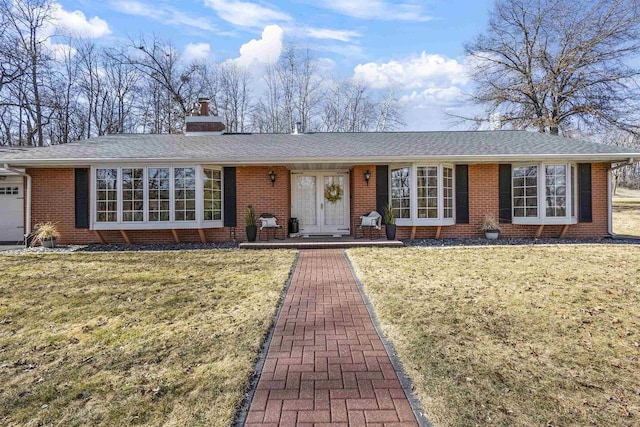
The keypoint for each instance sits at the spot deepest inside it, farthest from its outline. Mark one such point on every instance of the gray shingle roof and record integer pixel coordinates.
(318, 147)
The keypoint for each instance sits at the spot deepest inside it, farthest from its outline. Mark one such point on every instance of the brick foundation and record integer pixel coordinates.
(53, 200)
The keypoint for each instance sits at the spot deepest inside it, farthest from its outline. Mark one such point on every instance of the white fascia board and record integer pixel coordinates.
(608, 157)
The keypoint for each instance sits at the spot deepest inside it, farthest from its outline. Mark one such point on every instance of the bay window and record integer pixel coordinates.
(157, 197)
(544, 193)
(422, 194)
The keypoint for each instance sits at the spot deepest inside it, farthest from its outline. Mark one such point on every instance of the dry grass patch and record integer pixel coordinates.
(155, 338)
(626, 212)
(523, 335)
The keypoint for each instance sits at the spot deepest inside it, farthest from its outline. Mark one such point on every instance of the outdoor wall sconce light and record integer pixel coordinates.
(367, 176)
(272, 175)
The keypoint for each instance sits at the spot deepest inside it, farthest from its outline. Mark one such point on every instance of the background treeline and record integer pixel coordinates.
(54, 93)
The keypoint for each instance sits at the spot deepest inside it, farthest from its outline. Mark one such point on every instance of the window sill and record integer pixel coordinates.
(544, 221)
(176, 225)
(425, 223)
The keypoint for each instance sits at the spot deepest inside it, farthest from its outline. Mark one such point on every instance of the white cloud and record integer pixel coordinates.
(162, 13)
(377, 9)
(265, 50)
(434, 96)
(325, 33)
(196, 51)
(76, 24)
(62, 51)
(246, 14)
(422, 72)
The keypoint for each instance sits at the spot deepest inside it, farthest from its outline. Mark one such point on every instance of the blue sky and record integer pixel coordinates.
(414, 46)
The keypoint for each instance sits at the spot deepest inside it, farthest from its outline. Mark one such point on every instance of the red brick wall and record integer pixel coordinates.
(254, 188)
(363, 196)
(53, 200)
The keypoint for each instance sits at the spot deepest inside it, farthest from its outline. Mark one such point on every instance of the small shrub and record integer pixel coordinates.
(490, 223)
(44, 231)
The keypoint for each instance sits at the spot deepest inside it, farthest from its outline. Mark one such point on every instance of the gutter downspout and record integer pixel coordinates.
(27, 225)
(610, 193)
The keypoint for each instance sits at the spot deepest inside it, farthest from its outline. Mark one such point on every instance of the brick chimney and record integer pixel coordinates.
(201, 123)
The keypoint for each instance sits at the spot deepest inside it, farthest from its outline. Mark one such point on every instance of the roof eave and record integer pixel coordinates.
(598, 157)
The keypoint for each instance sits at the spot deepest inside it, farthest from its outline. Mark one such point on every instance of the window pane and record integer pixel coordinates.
(556, 189)
(447, 184)
(185, 194)
(428, 192)
(212, 186)
(106, 196)
(158, 182)
(132, 195)
(525, 191)
(401, 192)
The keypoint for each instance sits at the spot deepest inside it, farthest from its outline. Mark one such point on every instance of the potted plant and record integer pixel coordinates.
(250, 220)
(389, 219)
(46, 234)
(491, 227)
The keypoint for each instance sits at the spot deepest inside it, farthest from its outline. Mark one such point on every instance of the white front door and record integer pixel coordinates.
(315, 213)
(11, 211)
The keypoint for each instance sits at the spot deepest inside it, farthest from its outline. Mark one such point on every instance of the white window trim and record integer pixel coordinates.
(542, 218)
(200, 204)
(413, 196)
(156, 225)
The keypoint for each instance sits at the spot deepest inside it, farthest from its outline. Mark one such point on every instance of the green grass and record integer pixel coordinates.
(155, 338)
(514, 336)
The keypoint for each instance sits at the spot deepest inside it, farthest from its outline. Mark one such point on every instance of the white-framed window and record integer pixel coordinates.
(212, 187)
(422, 194)
(106, 184)
(159, 199)
(156, 197)
(184, 190)
(544, 193)
(8, 191)
(133, 194)
(401, 192)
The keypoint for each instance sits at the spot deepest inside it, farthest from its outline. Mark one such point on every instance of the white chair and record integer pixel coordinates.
(269, 222)
(371, 221)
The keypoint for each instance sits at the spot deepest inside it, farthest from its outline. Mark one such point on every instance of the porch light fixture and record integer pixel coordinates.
(272, 175)
(367, 176)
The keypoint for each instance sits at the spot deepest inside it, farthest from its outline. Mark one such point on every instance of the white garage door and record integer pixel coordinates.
(11, 211)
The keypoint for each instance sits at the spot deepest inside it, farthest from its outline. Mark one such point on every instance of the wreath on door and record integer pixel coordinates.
(333, 192)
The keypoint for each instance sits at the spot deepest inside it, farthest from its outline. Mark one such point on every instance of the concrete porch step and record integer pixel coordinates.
(320, 243)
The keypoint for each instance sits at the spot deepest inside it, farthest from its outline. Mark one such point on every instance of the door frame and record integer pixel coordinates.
(320, 175)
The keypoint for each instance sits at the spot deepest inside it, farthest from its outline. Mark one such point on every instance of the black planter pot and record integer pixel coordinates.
(252, 231)
(390, 229)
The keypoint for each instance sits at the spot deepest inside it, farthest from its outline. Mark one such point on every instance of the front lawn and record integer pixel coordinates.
(144, 338)
(525, 335)
(626, 212)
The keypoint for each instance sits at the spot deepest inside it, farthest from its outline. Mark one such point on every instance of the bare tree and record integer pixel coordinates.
(556, 65)
(161, 63)
(234, 96)
(24, 22)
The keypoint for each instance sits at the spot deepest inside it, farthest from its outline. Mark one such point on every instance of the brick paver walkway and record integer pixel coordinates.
(326, 363)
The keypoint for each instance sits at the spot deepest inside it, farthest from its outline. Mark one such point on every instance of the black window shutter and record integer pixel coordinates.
(504, 185)
(584, 192)
(462, 194)
(382, 188)
(229, 179)
(82, 198)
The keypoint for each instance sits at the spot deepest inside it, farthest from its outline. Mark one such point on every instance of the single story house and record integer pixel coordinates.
(196, 186)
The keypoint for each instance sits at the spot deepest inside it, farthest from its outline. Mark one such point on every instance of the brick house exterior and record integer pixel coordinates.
(440, 184)
(52, 201)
